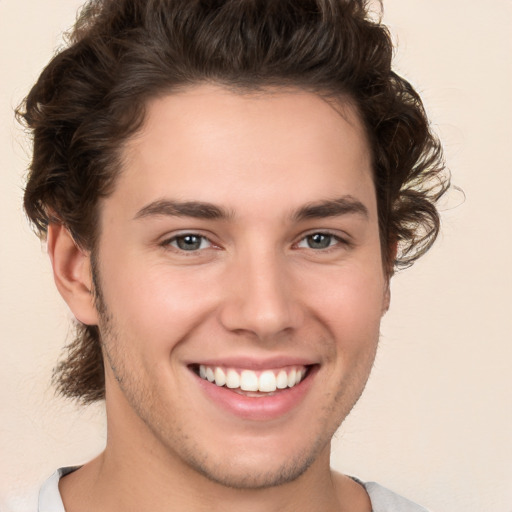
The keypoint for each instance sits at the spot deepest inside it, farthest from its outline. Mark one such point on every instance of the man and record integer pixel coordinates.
(225, 189)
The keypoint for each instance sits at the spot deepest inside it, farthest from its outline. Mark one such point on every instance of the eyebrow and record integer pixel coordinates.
(202, 210)
(331, 208)
(196, 209)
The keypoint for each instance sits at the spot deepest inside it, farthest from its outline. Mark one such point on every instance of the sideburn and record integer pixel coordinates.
(80, 375)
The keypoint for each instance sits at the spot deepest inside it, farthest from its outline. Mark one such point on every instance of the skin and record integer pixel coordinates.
(254, 288)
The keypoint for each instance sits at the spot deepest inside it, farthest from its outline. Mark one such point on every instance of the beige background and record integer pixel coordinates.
(436, 420)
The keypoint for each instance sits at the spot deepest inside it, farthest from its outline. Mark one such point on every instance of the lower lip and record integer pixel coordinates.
(259, 408)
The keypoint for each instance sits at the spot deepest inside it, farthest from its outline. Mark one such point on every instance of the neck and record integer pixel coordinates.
(110, 484)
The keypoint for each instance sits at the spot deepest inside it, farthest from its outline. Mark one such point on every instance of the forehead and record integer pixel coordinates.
(207, 143)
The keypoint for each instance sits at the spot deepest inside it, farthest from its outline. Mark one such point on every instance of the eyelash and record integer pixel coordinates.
(339, 241)
(202, 238)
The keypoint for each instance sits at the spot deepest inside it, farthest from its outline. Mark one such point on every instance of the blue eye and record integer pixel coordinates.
(318, 241)
(189, 242)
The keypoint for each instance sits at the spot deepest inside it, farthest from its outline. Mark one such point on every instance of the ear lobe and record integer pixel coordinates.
(72, 273)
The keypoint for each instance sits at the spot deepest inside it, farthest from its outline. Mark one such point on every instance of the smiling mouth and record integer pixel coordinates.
(253, 383)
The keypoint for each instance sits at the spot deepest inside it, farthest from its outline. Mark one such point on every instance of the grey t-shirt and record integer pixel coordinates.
(383, 500)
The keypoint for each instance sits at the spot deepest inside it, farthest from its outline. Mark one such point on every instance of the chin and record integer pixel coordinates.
(253, 474)
(250, 461)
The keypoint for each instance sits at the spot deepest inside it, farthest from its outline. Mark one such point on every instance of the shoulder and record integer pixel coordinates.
(384, 500)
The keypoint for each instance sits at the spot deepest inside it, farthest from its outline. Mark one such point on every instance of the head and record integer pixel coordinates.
(127, 65)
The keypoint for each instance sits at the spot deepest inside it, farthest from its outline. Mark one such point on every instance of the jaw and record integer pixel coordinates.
(227, 461)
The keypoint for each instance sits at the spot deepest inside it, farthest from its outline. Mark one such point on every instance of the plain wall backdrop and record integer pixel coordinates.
(435, 423)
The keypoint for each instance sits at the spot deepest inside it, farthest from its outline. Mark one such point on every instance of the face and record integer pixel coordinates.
(241, 282)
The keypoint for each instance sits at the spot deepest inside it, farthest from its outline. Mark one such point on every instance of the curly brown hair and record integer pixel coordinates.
(91, 98)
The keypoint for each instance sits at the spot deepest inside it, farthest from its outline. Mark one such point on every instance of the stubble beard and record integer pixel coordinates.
(178, 444)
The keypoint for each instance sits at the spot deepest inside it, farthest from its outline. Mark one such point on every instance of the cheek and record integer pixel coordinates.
(350, 303)
(152, 305)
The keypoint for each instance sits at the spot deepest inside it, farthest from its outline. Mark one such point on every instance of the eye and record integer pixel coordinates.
(319, 241)
(189, 242)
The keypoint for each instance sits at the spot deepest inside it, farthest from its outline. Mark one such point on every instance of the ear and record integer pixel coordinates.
(387, 296)
(393, 249)
(72, 273)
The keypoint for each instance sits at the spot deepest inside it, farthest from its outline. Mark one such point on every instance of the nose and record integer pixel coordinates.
(261, 297)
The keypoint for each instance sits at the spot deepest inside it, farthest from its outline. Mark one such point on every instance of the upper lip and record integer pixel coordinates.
(251, 363)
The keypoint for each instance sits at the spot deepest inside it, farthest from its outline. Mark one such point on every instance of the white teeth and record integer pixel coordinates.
(232, 379)
(209, 374)
(267, 382)
(282, 380)
(292, 378)
(220, 376)
(247, 380)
